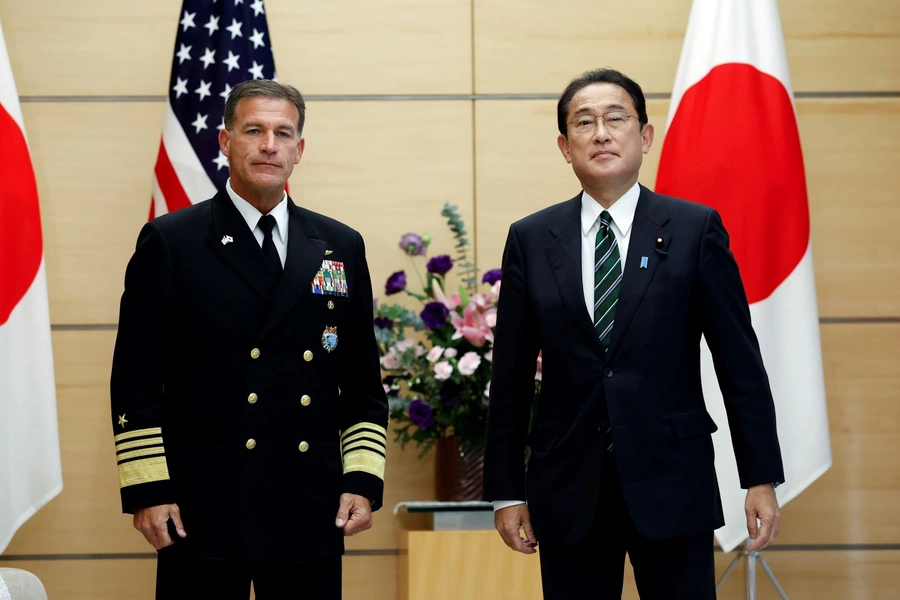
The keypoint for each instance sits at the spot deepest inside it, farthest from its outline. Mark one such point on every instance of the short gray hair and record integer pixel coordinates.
(268, 88)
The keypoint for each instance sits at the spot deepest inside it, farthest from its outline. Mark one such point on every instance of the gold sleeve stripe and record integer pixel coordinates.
(143, 452)
(143, 471)
(138, 433)
(359, 445)
(365, 461)
(358, 426)
(365, 435)
(155, 441)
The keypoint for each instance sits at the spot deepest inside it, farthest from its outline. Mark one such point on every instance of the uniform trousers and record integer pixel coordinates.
(187, 578)
(676, 569)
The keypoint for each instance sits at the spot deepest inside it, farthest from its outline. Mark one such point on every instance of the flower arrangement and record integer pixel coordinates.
(436, 362)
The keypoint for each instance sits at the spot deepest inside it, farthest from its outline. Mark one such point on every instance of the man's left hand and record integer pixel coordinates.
(763, 505)
(354, 515)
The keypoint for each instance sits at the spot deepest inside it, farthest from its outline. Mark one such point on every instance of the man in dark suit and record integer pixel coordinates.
(616, 287)
(247, 403)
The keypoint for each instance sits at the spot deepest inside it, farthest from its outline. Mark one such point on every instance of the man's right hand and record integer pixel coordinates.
(509, 521)
(151, 522)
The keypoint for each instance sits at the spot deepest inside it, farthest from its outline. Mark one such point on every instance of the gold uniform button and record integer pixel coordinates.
(304, 446)
(254, 354)
(251, 444)
(305, 400)
(330, 305)
(252, 398)
(307, 356)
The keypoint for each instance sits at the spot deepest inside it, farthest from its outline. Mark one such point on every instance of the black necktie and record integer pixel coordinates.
(267, 224)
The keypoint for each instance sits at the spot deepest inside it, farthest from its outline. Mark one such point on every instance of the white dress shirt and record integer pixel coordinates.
(622, 213)
(252, 215)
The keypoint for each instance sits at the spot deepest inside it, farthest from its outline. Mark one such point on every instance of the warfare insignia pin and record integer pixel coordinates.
(330, 338)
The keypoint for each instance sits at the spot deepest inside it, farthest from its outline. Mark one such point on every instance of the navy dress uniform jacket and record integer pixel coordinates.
(225, 399)
(645, 387)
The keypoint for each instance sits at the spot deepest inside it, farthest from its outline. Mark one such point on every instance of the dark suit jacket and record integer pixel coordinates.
(646, 386)
(210, 356)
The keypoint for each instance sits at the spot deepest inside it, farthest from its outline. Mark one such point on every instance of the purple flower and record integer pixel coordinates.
(491, 277)
(395, 283)
(421, 414)
(412, 244)
(439, 265)
(450, 393)
(435, 315)
(383, 322)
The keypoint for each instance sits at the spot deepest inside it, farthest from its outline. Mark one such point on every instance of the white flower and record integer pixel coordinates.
(420, 350)
(468, 363)
(450, 353)
(489, 356)
(434, 354)
(443, 370)
(487, 390)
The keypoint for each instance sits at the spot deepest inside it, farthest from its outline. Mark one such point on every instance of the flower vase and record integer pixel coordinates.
(459, 472)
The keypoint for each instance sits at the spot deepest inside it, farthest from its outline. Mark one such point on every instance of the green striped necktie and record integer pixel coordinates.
(607, 278)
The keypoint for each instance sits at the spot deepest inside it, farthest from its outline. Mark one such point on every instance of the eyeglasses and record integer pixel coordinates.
(586, 123)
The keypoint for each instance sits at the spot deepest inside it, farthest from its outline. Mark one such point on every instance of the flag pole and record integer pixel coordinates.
(751, 557)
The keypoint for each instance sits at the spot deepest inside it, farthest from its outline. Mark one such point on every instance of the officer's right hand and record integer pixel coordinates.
(509, 521)
(152, 522)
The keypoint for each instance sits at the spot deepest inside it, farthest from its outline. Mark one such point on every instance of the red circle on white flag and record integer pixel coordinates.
(21, 246)
(734, 145)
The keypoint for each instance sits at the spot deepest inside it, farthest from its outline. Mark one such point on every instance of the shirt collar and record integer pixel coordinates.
(252, 215)
(621, 211)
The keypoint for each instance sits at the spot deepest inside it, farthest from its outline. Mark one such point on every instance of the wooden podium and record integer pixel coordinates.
(450, 551)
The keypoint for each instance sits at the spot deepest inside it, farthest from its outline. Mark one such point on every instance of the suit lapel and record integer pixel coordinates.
(564, 254)
(304, 258)
(649, 218)
(235, 244)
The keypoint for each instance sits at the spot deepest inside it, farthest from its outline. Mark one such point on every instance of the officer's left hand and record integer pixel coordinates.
(354, 515)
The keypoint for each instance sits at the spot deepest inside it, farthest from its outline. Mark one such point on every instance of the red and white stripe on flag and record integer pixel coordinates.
(30, 469)
(732, 143)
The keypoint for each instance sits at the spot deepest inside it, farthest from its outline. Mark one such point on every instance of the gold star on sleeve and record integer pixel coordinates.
(122, 421)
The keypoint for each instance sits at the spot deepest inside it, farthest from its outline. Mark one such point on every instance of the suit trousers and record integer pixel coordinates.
(187, 578)
(676, 569)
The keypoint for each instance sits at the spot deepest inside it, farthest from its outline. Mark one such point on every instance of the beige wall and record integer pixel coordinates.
(92, 75)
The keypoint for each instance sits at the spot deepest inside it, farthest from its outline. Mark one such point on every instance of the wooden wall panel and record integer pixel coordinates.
(852, 156)
(374, 46)
(533, 46)
(854, 502)
(365, 163)
(851, 176)
(94, 167)
(345, 47)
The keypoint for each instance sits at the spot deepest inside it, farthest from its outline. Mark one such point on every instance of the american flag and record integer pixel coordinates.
(219, 44)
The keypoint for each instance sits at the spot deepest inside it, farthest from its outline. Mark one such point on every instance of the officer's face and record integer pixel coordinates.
(263, 146)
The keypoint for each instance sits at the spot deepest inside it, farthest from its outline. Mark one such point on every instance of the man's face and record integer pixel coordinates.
(605, 156)
(263, 146)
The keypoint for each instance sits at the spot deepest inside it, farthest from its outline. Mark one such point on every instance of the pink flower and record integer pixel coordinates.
(539, 373)
(490, 317)
(420, 350)
(450, 353)
(468, 363)
(438, 294)
(489, 356)
(434, 354)
(391, 360)
(404, 345)
(443, 370)
(472, 326)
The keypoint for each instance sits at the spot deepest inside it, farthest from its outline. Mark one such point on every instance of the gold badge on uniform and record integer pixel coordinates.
(330, 338)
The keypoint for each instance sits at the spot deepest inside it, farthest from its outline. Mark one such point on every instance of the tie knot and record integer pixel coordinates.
(266, 223)
(605, 219)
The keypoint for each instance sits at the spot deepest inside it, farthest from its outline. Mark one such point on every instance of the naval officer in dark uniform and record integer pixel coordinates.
(247, 404)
